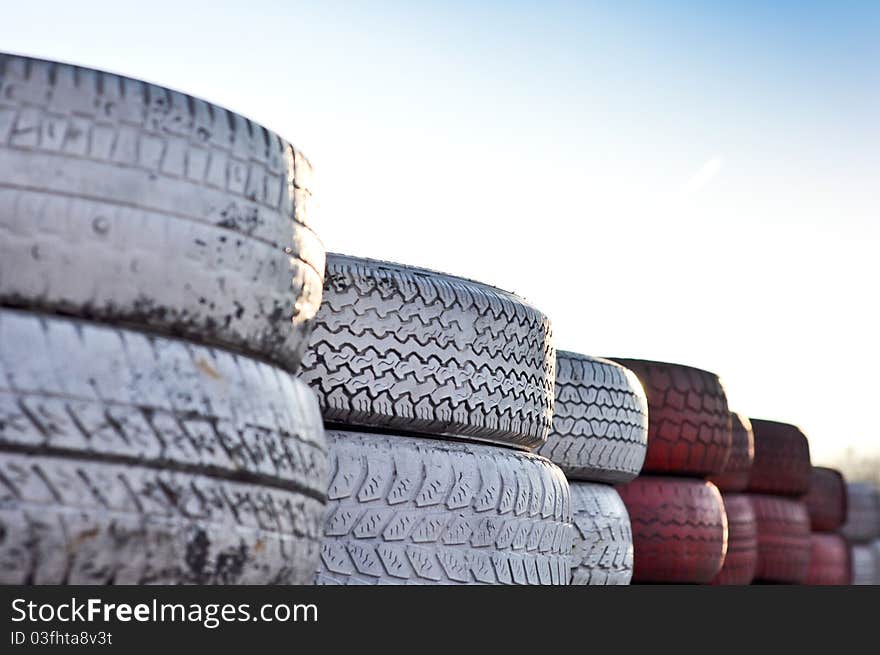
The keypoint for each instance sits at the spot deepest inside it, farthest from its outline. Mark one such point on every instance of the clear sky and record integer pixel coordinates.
(692, 182)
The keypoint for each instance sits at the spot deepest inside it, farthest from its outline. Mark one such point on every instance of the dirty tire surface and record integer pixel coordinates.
(782, 459)
(131, 458)
(783, 539)
(407, 349)
(863, 512)
(424, 511)
(735, 476)
(741, 558)
(826, 500)
(689, 424)
(829, 560)
(603, 545)
(600, 420)
(865, 565)
(125, 202)
(679, 529)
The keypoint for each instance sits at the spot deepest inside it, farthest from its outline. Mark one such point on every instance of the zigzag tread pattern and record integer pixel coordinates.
(689, 426)
(79, 521)
(679, 529)
(420, 511)
(603, 543)
(73, 388)
(600, 420)
(418, 351)
(171, 212)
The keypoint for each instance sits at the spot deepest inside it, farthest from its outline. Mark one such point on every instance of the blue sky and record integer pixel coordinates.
(670, 181)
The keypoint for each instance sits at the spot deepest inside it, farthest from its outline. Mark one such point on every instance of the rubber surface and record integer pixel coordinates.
(741, 558)
(411, 350)
(128, 458)
(679, 529)
(865, 565)
(783, 539)
(689, 426)
(600, 420)
(81, 521)
(829, 560)
(735, 476)
(423, 511)
(826, 500)
(863, 513)
(603, 544)
(876, 547)
(125, 202)
(782, 459)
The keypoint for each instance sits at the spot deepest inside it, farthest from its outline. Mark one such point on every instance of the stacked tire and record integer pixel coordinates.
(599, 438)
(433, 390)
(741, 559)
(158, 278)
(830, 560)
(862, 531)
(678, 518)
(778, 480)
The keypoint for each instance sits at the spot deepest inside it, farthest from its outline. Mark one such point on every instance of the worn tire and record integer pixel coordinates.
(131, 458)
(603, 543)
(782, 459)
(125, 202)
(863, 512)
(741, 558)
(689, 424)
(679, 529)
(865, 565)
(600, 420)
(829, 560)
(826, 500)
(783, 539)
(412, 350)
(735, 476)
(423, 511)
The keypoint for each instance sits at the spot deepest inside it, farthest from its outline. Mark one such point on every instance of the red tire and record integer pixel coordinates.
(679, 529)
(829, 560)
(742, 542)
(689, 429)
(782, 459)
(783, 539)
(826, 500)
(735, 476)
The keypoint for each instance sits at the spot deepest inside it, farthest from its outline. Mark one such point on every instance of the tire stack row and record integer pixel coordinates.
(778, 480)
(161, 290)
(678, 519)
(158, 275)
(433, 390)
(599, 438)
(830, 561)
(741, 559)
(862, 531)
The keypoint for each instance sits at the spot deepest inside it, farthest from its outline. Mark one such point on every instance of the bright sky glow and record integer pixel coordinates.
(670, 181)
